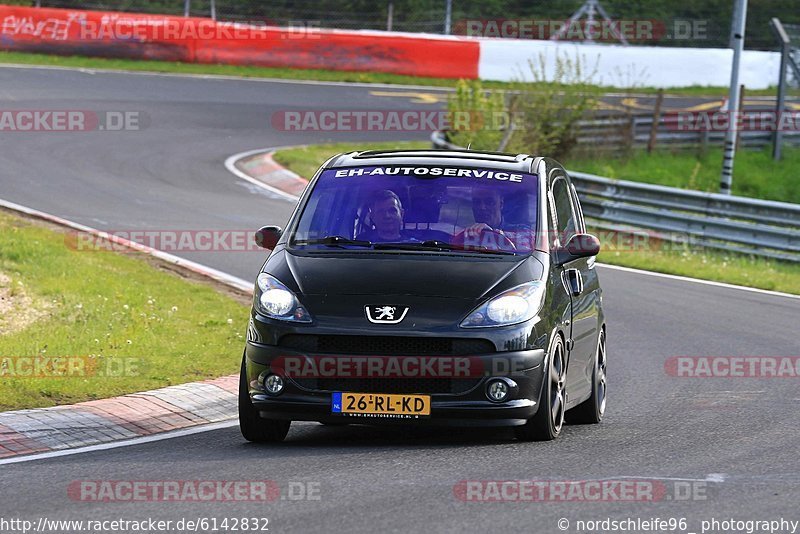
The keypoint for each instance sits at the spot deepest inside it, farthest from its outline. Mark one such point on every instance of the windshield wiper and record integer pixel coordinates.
(440, 245)
(335, 241)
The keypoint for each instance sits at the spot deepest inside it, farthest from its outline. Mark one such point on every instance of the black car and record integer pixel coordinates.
(428, 287)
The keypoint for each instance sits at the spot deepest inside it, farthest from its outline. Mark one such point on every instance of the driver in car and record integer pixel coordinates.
(487, 208)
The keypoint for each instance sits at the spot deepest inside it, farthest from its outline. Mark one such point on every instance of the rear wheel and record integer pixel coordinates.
(592, 409)
(549, 419)
(252, 426)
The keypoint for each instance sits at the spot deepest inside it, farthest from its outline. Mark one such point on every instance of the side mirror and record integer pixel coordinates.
(578, 246)
(267, 236)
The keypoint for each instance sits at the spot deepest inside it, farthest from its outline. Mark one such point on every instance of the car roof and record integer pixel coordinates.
(455, 158)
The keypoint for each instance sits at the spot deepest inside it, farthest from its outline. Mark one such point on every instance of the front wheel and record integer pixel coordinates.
(546, 424)
(592, 409)
(252, 426)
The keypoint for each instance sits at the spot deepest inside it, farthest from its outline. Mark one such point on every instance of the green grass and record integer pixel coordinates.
(696, 263)
(709, 265)
(755, 174)
(97, 63)
(305, 161)
(110, 308)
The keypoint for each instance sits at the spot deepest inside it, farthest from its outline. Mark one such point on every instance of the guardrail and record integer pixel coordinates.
(737, 224)
(622, 132)
(634, 131)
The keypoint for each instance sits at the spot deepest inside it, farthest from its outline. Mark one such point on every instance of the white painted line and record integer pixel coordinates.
(711, 477)
(230, 164)
(698, 281)
(126, 443)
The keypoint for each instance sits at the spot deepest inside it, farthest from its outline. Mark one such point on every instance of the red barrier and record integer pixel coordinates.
(110, 34)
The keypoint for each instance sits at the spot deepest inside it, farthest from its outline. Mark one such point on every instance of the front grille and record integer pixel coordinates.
(386, 345)
(452, 386)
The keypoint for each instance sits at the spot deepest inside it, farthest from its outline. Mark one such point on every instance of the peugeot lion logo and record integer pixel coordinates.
(386, 314)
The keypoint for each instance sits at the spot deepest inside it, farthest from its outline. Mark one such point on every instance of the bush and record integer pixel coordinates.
(548, 108)
(543, 112)
(475, 116)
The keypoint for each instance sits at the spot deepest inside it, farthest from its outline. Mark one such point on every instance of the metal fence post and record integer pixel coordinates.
(777, 139)
(448, 13)
(737, 35)
(187, 7)
(704, 140)
(630, 134)
(651, 143)
(390, 17)
(740, 111)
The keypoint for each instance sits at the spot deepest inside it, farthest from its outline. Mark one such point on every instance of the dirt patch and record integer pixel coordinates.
(17, 309)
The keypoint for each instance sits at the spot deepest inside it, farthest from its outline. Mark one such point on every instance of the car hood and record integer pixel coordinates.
(432, 275)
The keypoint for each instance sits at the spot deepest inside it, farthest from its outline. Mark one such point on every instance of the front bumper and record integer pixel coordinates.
(468, 406)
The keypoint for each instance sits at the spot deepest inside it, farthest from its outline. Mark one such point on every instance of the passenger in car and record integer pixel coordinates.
(386, 213)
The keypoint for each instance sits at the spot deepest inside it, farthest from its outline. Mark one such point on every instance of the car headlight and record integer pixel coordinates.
(516, 305)
(276, 301)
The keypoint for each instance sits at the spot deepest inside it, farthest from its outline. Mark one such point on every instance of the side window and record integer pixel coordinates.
(565, 224)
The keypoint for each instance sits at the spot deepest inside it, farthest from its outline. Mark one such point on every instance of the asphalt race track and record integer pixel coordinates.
(734, 440)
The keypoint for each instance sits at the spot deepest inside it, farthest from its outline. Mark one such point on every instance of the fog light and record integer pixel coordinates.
(273, 384)
(498, 390)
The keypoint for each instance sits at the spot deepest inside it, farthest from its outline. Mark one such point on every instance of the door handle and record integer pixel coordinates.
(573, 281)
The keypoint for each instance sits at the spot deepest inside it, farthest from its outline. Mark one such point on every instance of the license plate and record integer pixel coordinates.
(381, 405)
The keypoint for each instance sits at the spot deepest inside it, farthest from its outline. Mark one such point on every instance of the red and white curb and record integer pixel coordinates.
(41, 430)
(258, 167)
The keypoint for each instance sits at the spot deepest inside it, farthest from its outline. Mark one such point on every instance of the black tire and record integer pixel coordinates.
(252, 426)
(546, 425)
(591, 410)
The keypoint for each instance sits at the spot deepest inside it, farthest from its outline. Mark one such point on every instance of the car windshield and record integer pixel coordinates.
(476, 210)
